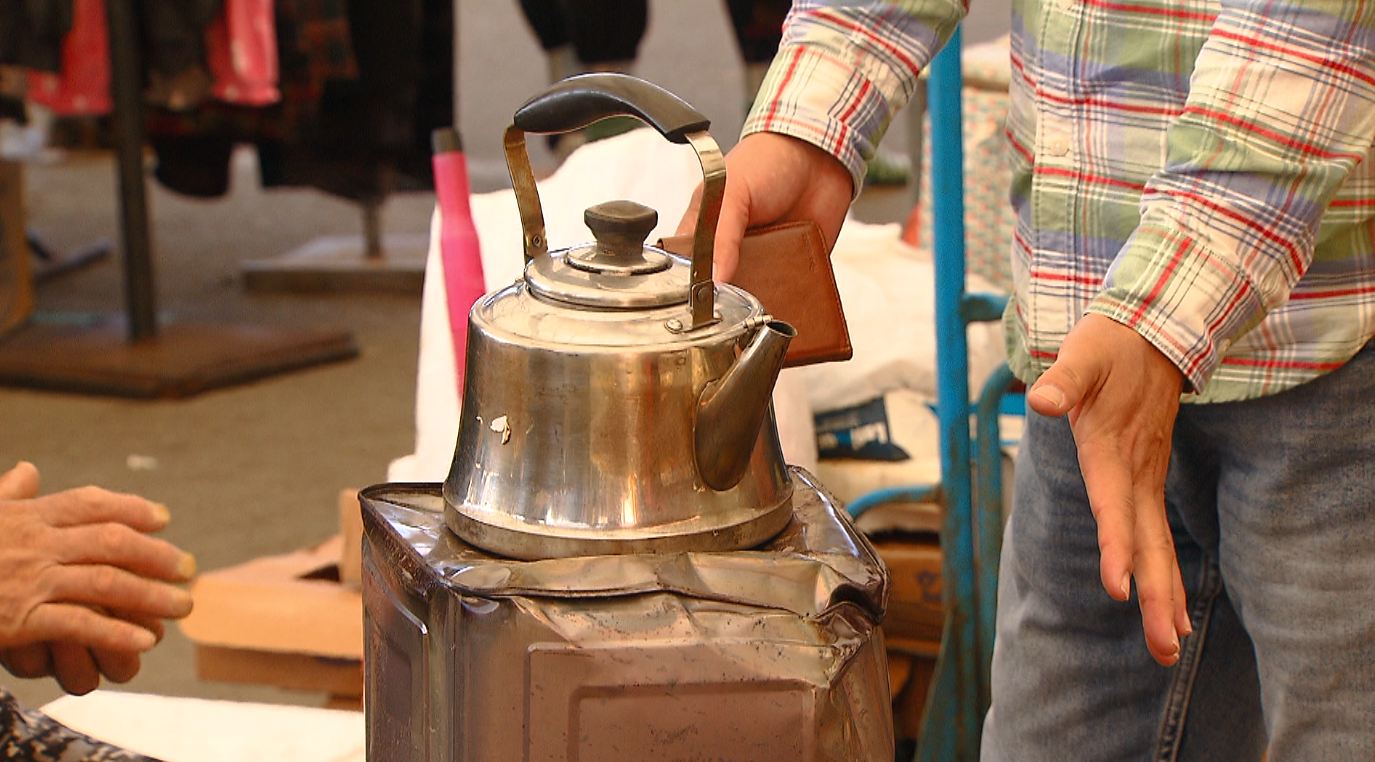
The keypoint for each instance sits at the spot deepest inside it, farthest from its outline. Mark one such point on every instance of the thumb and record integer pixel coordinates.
(1062, 387)
(20, 482)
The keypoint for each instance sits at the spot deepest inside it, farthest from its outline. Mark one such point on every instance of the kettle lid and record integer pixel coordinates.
(618, 271)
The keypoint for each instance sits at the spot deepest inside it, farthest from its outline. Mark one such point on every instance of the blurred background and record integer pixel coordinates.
(256, 469)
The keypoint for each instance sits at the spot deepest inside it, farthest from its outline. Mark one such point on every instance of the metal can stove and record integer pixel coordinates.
(772, 653)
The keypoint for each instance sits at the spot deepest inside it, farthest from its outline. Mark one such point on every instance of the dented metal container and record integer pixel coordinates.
(765, 654)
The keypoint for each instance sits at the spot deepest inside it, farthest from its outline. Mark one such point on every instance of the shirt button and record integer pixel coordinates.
(1057, 145)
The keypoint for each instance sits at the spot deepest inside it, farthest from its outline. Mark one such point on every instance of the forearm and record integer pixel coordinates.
(844, 69)
(1281, 107)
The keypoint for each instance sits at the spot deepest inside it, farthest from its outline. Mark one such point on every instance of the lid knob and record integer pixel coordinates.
(620, 228)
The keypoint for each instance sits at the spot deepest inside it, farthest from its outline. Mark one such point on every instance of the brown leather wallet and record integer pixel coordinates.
(788, 268)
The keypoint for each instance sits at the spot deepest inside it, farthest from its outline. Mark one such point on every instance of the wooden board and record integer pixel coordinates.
(16, 280)
(341, 263)
(90, 354)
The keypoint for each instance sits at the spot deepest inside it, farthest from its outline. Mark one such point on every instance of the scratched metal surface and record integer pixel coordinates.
(746, 655)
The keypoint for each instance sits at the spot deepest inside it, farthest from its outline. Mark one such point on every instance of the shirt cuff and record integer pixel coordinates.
(814, 96)
(1189, 303)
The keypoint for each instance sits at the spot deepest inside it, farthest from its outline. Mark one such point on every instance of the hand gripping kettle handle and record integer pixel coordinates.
(576, 102)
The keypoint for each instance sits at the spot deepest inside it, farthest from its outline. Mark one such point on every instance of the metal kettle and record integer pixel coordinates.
(616, 400)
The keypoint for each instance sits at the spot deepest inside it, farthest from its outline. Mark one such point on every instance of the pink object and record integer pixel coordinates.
(83, 86)
(459, 252)
(241, 51)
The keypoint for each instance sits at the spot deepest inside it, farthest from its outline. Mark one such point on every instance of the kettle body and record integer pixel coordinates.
(616, 399)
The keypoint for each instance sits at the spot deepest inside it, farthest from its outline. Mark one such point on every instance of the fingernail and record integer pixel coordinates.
(1126, 586)
(1174, 646)
(184, 604)
(186, 567)
(1050, 393)
(144, 640)
(161, 513)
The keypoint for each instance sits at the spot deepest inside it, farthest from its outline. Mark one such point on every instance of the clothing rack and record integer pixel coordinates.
(140, 297)
(133, 354)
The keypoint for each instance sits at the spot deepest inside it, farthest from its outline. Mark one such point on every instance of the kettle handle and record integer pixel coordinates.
(578, 101)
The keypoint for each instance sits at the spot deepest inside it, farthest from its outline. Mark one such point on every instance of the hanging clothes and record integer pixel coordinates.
(193, 149)
(241, 48)
(371, 136)
(363, 85)
(82, 85)
(32, 31)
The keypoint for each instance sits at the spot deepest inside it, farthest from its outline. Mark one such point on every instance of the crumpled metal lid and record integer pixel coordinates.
(818, 562)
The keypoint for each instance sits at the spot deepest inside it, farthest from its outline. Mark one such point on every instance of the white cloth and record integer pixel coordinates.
(197, 730)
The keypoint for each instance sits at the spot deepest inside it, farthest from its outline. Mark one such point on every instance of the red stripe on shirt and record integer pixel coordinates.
(782, 87)
(864, 88)
(1160, 282)
(833, 17)
(1249, 362)
(1087, 280)
(1150, 10)
(1264, 231)
(1328, 63)
(1018, 147)
(1095, 179)
(1278, 137)
(1328, 294)
(1242, 291)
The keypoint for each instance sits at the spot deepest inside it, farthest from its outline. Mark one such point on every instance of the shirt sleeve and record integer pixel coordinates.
(1281, 107)
(844, 69)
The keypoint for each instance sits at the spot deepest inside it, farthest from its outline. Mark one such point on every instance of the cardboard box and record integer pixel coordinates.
(915, 610)
(351, 528)
(281, 620)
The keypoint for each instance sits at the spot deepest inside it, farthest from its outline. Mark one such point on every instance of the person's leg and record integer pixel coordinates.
(1296, 505)
(1071, 674)
(547, 21)
(607, 33)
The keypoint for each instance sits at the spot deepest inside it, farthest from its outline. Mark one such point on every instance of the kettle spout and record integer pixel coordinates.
(732, 408)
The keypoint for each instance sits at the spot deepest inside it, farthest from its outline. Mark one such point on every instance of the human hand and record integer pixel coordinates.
(1122, 396)
(774, 178)
(79, 589)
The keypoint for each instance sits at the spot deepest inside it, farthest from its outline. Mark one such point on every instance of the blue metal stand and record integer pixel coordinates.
(971, 535)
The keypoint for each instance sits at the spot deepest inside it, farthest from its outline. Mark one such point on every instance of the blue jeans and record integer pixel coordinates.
(1272, 502)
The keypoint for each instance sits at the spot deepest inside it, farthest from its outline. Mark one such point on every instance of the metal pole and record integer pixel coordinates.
(372, 229)
(126, 85)
(956, 713)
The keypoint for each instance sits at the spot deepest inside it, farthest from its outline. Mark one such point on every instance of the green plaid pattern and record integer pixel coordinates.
(1190, 168)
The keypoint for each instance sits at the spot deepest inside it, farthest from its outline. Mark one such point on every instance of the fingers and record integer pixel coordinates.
(1108, 480)
(1156, 571)
(78, 624)
(75, 668)
(29, 661)
(151, 624)
(93, 505)
(113, 588)
(117, 666)
(1182, 625)
(119, 545)
(20, 482)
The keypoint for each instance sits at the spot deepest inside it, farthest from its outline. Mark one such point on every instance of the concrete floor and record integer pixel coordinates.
(254, 470)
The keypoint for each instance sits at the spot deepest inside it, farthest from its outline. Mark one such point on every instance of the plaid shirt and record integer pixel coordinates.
(1190, 168)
